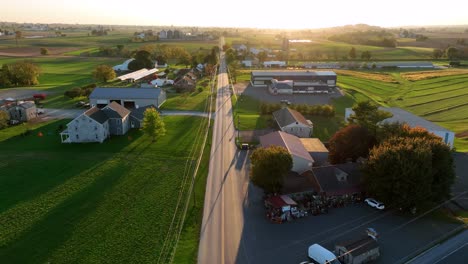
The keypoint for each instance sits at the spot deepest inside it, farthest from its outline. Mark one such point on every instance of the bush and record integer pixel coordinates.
(313, 110)
(44, 51)
(200, 89)
(74, 92)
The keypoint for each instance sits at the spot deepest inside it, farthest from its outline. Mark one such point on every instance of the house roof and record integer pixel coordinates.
(292, 73)
(359, 245)
(96, 114)
(139, 113)
(290, 142)
(27, 105)
(313, 145)
(125, 93)
(287, 116)
(118, 110)
(326, 177)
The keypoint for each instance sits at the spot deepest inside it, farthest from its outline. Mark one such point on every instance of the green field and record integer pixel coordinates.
(195, 101)
(61, 74)
(87, 203)
(247, 114)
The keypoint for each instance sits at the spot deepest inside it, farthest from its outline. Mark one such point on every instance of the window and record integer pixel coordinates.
(97, 136)
(77, 136)
(76, 128)
(95, 127)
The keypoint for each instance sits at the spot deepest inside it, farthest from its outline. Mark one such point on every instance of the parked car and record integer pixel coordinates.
(40, 111)
(244, 146)
(80, 104)
(40, 96)
(374, 203)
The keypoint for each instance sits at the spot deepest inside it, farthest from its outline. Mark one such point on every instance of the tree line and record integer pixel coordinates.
(19, 73)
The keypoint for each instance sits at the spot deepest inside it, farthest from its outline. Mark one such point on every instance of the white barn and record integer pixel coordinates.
(402, 116)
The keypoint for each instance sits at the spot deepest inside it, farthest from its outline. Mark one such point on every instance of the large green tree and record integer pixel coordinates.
(368, 115)
(412, 169)
(19, 73)
(142, 60)
(153, 125)
(104, 73)
(350, 142)
(269, 166)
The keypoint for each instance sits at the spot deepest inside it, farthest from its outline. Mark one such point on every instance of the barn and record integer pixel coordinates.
(130, 98)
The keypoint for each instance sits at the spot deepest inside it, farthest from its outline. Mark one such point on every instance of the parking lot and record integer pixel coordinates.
(261, 93)
(266, 242)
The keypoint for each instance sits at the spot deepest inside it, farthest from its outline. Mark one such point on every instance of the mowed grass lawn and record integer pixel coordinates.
(61, 74)
(194, 101)
(247, 114)
(90, 203)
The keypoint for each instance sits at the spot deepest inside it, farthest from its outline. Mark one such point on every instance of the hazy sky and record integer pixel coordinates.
(240, 13)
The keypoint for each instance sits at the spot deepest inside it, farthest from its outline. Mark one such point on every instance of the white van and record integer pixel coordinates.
(320, 255)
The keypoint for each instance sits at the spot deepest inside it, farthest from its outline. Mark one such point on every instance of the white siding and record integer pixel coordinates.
(86, 129)
(301, 165)
(298, 130)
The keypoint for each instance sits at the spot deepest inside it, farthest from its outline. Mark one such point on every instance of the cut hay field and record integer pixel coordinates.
(438, 96)
(91, 203)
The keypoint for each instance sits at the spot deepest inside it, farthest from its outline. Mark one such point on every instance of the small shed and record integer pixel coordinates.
(363, 249)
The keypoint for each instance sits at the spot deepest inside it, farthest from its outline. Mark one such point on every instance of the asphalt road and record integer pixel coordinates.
(454, 250)
(227, 182)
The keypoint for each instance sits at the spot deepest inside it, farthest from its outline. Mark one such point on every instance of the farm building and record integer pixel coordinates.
(130, 98)
(123, 66)
(96, 125)
(22, 111)
(302, 161)
(273, 64)
(302, 81)
(137, 115)
(293, 122)
(402, 116)
(360, 250)
(137, 75)
(317, 150)
(338, 179)
(405, 64)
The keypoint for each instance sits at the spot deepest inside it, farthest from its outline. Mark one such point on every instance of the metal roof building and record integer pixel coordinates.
(402, 116)
(137, 75)
(302, 81)
(130, 98)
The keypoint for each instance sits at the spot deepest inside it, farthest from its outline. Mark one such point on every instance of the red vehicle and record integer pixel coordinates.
(40, 96)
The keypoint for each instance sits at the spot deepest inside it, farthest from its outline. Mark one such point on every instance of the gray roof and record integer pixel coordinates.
(96, 114)
(125, 93)
(117, 111)
(326, 177)
(292, 73)
(286, 116)
(359, 246)
(27, 105)
(402, 116)
(290, 142)
(139, 113)
(414, 64)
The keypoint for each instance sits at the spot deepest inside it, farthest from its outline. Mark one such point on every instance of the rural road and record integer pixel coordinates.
(223, 219)
(454, 249)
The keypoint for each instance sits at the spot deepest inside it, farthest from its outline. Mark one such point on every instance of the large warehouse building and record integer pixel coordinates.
(129, 98)
(294, 81)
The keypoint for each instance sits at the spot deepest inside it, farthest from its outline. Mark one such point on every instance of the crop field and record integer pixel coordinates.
(422, 75)
(86, 203)
(383, 77)
(438, 96)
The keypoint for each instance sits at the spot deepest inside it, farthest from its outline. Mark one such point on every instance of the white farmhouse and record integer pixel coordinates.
(293, 122)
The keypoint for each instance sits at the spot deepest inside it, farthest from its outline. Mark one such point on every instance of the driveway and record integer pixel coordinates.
(262, 94)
